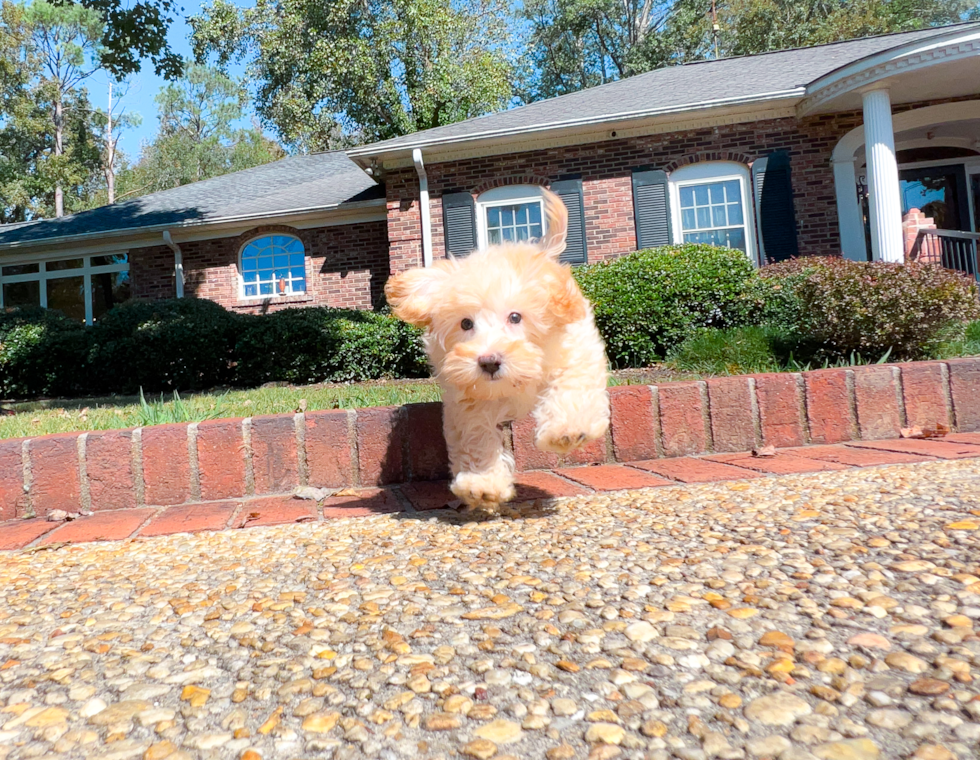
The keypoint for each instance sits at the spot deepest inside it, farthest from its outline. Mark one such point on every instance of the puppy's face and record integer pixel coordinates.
(489, 315)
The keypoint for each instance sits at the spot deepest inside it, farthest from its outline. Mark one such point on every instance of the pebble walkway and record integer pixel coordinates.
(831, 615)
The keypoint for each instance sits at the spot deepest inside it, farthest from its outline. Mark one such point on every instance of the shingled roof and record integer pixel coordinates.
(297, 184)
(689, 87)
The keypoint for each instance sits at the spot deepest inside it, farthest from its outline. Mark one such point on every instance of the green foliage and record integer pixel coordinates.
(363, 70)
(968, 345)
(845, 307)
(317, 345)
(735, 351)
(649, 301)
(42, 353)
(162, 412)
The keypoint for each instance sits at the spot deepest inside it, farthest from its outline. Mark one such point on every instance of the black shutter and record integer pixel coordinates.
(651, 209)
(774, 204)
(570, 191)
(459, 223)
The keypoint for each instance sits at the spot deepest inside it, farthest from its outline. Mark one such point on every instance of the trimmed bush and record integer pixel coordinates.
(848, 307)
(42, 353)
(649, 301)
(326, 345)
(175, 344)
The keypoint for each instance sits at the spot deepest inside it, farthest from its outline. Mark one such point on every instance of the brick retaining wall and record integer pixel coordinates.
(272, 454)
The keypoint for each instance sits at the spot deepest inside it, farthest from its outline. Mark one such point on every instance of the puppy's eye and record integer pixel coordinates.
(514, 318)
(466, 324)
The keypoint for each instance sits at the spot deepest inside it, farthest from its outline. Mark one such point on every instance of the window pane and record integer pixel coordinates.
(731, 188)
(265, 289)
(536, 231)
(688, 220)
(534, 214)
(735, 213)
(493, 217)
(251, 290)
(298, 273)
(109, 289)
(67, 295)
(508, 233)
(522, 214)
(20, 269)
(736, 238)
(296, 259)
(507, 216)
(250, 276)
(265, 262)
(523, 233)
(717, 193)
(21, 294)
(704, 217)
(115, 258)
(493, 236)
(701, 195)
(687, 196)
(249, 264)
(54, 266)
(718, 216)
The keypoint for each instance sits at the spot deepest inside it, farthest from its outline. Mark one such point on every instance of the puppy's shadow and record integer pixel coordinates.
(435, 500)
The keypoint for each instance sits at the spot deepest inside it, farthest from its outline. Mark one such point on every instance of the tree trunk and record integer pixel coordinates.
(110, 159)
(59, 150)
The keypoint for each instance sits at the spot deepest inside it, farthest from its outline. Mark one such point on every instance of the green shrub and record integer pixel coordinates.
(176, 344)
(735, 351)
(868, 309)
(42, 353)
(650, 301)
(320, 345)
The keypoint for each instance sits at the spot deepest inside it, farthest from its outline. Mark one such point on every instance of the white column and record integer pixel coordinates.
(884, 201)
(849, 221)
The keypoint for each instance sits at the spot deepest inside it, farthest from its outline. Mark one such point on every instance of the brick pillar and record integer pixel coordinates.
(930, 252)
(404, 222)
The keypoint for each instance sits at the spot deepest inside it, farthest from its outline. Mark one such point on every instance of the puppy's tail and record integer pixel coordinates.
(556, 214)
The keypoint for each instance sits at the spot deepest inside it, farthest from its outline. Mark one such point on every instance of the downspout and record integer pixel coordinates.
(178, 262)
(424, 205)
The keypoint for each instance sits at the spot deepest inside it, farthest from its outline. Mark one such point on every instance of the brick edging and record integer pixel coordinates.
(273, 454)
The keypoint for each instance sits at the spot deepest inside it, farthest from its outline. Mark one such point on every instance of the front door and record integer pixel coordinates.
(938, 192)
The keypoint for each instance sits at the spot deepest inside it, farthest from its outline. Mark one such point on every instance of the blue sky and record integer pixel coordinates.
(143, 87)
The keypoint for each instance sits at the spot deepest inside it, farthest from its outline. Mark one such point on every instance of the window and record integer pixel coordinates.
(273, 265)
(510, 214)
(712, 205)
(82, 288)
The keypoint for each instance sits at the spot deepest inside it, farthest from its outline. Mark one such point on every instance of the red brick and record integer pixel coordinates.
(221, 459)
(971, 438)
(11, 479)
(964, 390)
(855, 457)
(928, 448)
(828, 405)
(611, 477)
(191, 518)
(16, 534)
(682, 418)
(379, 445)
(876, 397)
(527, 456)
(694, 470)
(275, 465)
(780, 409)
(109, 468)
(367, 501)
(54, 473)
(166, 465)
(102, 526)
(276, 510)
(924, 391)
(427, 456)
(328, 454)
(544, 485)
(428, 495)
(633, 422)
(781, 464)
(730, 405)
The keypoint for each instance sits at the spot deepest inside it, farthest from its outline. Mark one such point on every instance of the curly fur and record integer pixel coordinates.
(552, 363)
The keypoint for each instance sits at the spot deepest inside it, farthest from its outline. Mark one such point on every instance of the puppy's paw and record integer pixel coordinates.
(560, 442)
(483, 490)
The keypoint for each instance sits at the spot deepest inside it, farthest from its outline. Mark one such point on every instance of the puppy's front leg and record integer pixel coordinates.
(483, 470)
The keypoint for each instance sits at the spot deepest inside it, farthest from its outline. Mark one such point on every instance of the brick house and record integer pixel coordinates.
(816, 151)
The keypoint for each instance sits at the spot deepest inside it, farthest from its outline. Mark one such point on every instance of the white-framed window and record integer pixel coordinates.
(272, 265)
(81, 287)
(510, 214)
(711, 203)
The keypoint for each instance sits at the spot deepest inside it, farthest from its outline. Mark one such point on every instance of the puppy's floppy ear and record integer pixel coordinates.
(412, 294)
(557, 221)
(566, 303)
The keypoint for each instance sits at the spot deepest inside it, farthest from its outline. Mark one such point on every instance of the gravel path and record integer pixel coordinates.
(831, 616)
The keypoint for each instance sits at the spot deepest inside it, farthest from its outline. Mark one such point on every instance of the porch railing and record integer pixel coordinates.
(950, 249)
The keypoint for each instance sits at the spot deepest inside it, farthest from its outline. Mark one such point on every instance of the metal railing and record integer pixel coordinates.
(951, 249)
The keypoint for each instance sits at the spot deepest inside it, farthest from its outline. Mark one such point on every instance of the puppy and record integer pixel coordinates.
(508, 333)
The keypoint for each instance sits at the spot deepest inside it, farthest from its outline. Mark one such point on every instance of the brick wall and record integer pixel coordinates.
(606, 167)
(346, 266)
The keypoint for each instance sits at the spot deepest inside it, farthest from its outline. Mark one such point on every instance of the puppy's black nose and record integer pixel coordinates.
(490, 363)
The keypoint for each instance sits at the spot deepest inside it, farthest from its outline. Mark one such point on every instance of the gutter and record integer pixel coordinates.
(225, 220)
(424, 207)
(178, 262)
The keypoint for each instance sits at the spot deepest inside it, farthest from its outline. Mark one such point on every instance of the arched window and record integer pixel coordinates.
(272, 265)
(510, 213)
(712, 204)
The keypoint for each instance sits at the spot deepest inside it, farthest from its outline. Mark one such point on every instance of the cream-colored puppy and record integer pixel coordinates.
(508, 333)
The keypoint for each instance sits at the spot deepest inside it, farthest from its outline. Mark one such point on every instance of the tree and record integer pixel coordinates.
(327, 74)
(197, 137)
(109, 124)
